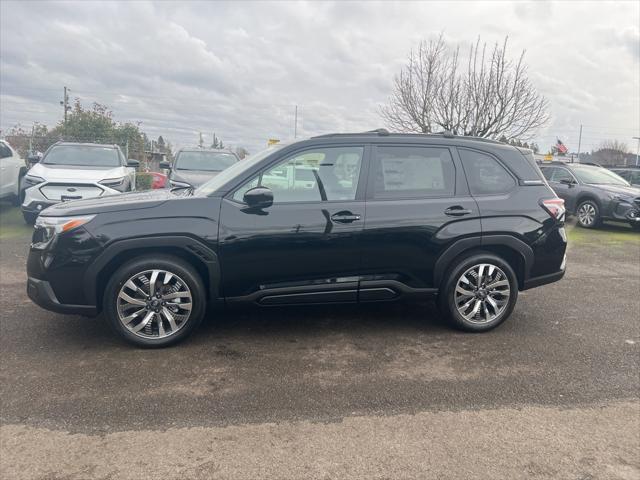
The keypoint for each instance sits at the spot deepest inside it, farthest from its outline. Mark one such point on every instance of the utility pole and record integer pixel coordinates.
(295, 123)
(637, 151)
(65, 103)
(579, 143)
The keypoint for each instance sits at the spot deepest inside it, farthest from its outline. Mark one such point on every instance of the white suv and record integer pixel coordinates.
(12, 168)
(73, 171)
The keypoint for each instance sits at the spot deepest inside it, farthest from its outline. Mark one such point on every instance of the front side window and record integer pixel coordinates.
(413, 172)
(485, 175)
(323, 174)
(82, 155)
(5, 151)
(598, 176)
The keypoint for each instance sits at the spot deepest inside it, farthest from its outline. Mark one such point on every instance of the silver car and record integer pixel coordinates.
(73, 171)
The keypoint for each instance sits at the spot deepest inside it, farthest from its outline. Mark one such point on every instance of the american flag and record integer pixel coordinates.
(562, 148)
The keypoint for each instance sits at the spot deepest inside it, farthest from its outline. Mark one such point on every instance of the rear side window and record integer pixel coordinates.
(561, 174)
(485, 175)
(547, 172)
(413, 172)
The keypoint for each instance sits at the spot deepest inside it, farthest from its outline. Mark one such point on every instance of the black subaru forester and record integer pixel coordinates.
(334, 219)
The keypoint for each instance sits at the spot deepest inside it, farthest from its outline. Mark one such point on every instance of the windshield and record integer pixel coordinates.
(207, 161)
(598, 175)
(82, 155)
(233, 171)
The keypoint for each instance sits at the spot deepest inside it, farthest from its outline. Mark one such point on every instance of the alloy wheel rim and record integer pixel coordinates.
(587, 214)
(482, 293)
(154, 304)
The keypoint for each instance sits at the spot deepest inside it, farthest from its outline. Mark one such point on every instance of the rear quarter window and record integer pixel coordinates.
(485, 175)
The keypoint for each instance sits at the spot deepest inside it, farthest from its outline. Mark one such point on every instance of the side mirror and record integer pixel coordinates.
(258, 198)
(567, 181)
(33, 158)
(133, 163)
(165, 165)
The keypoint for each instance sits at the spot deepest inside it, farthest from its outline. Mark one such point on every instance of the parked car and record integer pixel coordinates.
(469, 222)
(194, 166)
(593, 193)
(631, 174)
(12, 169)
(73, 171)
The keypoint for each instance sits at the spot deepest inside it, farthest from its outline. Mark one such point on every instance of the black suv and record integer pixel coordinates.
(333, 219)
(594, 193)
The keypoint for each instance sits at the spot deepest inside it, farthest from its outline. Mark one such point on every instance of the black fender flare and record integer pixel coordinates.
(465, 244)
(191, 246)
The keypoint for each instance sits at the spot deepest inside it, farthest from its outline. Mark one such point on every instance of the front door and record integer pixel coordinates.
(305, 248)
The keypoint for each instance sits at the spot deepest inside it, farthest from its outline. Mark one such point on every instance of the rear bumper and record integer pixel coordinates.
(41, 293)
(545, 279)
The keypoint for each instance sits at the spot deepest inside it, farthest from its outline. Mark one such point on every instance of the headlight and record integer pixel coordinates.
(175, 183)
(622, 198)
(115, 183)
(55, 225)
(31, 180)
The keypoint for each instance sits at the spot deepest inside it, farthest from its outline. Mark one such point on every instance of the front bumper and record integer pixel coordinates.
(35, 199)
(41, 293)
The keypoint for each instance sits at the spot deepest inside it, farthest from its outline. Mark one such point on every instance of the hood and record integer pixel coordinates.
(110, 203)
(619, 189)
(75, 173)
(195, 178)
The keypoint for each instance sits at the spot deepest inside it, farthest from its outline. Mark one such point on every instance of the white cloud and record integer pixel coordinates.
(239, 68)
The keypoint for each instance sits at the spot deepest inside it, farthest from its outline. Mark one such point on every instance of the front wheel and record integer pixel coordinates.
(480, 293)
(588, 214)
(155, 301)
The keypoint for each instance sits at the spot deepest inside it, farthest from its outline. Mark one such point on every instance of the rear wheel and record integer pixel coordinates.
(588, 214)
(155, 301)
(480, 294)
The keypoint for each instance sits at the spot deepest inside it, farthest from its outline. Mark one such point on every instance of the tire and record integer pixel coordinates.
(588, 214)
(499, 301)
(175, 277)
(29, 218)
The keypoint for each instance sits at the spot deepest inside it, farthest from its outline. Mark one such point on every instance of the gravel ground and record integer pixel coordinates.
(382, 391)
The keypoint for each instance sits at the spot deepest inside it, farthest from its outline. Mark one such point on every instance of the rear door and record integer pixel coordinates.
(417, 205)
(568, 192)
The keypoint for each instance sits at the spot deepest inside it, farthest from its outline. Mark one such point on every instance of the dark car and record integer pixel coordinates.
(193, 167)
(631, 174)
(373, 217)
(593, 193)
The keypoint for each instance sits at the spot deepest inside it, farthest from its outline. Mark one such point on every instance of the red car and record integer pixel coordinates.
(159, 180)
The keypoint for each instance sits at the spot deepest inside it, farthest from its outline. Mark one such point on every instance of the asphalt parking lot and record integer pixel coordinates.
(383, 391)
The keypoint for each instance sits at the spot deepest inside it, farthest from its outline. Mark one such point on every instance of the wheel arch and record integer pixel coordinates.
(515, 252)
(194, 252)
(588, 196)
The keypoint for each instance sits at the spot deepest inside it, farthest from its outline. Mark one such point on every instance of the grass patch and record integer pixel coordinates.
(11, 222)
(606, 234)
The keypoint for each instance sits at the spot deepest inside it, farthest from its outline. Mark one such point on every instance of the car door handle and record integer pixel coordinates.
(457, 211)
(345, 217)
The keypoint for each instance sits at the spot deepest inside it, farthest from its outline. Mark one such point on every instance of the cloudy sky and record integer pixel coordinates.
(240, 68)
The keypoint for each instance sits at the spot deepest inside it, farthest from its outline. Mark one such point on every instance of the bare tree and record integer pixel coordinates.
(493, 97)
(611, 152)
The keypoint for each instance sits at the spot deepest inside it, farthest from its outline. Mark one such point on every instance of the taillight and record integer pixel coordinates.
(554, 207)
